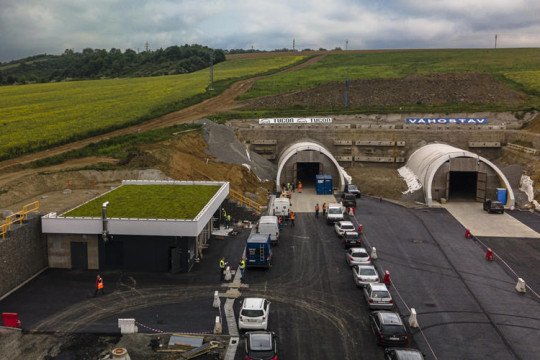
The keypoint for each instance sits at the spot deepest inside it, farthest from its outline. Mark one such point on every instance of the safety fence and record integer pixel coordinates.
(18, 217)
(233, 195)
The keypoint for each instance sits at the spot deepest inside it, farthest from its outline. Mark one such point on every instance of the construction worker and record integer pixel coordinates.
(222, 264)
(293, 216)
(228, 221)
(242, 268)
(317, 210)
(99, 285)
(299, 186)
(324, 209)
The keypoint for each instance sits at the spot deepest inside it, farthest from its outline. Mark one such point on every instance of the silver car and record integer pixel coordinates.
(364, 274)
(343, 226)
(357, 256)
(378, 296)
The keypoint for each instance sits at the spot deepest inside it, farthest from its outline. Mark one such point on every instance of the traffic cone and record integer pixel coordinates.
(468, 234)
(360, 228)
(386, 279)
(489, 254)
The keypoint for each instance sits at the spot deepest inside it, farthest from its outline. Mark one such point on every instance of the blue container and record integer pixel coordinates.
(319, 181)
(501, 195)
(328, 184)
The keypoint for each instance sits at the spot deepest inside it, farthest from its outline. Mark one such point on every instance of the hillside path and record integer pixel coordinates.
(220, 103)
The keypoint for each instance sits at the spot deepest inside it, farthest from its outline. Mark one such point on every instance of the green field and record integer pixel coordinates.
(149, 202)
(501, 63)
(35, 117)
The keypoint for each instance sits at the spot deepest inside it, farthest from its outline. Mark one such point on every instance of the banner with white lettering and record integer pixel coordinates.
(468, 121)
(296, 121)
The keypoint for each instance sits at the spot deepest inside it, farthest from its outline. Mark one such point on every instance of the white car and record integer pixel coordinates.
(343, 226)
(364, 274)
(378, 296)
(357, 256)
(254, 314)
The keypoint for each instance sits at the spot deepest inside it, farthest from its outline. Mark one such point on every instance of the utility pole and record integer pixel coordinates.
(346, 44)
(293, 44)
(495, 41)
(146, 46)
(211, 86)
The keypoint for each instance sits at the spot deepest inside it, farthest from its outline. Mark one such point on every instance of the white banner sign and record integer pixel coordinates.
(296, 121)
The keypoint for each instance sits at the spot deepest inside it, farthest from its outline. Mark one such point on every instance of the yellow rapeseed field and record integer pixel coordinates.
(529, 79)
(38, 116)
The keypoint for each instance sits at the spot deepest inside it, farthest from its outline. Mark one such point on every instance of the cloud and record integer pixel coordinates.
(29, 27)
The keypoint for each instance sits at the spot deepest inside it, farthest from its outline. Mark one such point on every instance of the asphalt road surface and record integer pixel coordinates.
(467, 307)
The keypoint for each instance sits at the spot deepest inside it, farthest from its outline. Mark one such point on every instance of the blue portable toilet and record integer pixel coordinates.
(501, 195)
(319, 180)
(328, 184)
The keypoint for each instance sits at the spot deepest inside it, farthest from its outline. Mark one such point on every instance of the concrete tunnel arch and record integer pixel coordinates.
(427, 160)
(298, 147)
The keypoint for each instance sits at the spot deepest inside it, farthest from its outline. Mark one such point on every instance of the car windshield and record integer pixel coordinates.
(352, 236)
(367, 272)
(347, 227)
(352, 187)
(334, 211)
(260, 342)
(252, 313)
(393, 330)
(410, 355)
(359, 255)
(378, 294)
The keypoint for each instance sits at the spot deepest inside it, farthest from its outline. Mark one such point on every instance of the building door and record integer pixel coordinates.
(79, 255)
(175, 259)
(481, 185)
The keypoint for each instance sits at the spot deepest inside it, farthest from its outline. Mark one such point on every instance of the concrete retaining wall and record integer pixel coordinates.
(22, 254)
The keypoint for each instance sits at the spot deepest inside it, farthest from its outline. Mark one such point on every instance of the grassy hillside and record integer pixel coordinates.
(520, 68)
(35, 117)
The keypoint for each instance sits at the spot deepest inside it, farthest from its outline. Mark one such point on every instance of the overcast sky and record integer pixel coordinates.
(30, 27)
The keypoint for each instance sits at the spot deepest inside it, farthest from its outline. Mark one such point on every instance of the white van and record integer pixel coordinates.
(334, 213)
(281, 207)
(269, 225)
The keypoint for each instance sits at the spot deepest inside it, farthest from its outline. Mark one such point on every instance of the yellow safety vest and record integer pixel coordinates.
(242, 264)
(222, 264)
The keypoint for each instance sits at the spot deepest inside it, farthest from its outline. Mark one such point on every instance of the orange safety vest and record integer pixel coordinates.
(292, 216)
(317, 207)
(324, 206)
(99, 283)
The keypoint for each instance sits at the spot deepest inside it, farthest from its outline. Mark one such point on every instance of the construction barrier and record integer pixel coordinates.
(18, 217)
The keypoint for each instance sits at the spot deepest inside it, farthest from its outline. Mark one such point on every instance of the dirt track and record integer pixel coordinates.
(220, 103)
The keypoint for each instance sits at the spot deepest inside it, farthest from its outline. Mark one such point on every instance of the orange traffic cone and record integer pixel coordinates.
(360, 228)
(468, 234)
(386, 279)
(489, 254)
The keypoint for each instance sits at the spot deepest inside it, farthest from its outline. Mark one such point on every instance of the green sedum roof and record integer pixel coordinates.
(149, 202)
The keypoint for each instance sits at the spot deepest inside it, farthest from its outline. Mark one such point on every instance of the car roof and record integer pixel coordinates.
(346, 223)
(260, 340)
(366, 267)
(358, 250)
(407, 353)
(390, 318)
(378, 286)
(253, 303)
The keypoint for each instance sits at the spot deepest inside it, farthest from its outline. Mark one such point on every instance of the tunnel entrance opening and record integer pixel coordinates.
(306, 172)
(462, 185)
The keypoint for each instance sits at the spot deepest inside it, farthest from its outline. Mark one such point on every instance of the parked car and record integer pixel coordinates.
(334, 213)
(348, 200)
(378, 297)
(364, 274)
(351, 238)
(493, 206)
(353, 189)
(403, 354)
(389, 328)
(343, 226)
(261, 345)
(254, 314)
(357, 256)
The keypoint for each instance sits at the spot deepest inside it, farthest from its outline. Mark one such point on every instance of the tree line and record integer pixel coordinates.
(100, 63)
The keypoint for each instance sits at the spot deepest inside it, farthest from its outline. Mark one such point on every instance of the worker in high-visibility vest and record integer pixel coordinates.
(242, 268)
(317, 210)
(293, 216)
(299, 186)
(99, 285)
(222, 264)
(324, 209)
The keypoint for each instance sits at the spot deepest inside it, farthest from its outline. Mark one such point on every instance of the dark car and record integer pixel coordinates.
(348, 200)
(353, 189)
(351, 238)
(389, 328)
(493, 206)
(261, 345)
(402, 354)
